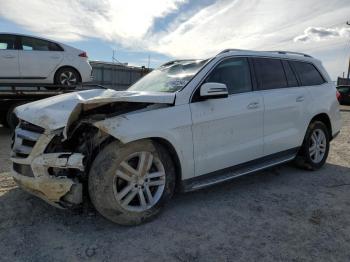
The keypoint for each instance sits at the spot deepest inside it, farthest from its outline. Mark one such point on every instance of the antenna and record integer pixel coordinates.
(115, 60)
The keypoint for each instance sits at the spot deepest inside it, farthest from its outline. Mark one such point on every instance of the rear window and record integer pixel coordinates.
(7, 42)
(34, 44)
(308, 74)
(270, 73)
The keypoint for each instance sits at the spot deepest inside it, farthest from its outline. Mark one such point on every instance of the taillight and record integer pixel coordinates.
(338, 95)
(83, 54)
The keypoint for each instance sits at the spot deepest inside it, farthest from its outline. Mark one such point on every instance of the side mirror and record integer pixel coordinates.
(213, 90)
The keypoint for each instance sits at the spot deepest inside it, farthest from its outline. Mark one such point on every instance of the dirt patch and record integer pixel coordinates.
(283, 214)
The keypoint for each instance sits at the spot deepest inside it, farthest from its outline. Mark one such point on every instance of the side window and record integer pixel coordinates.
(33, 44)
(7, 42)
(235, 73)
(291, 78)
(270, 73)
(55, 47)
(308, 74)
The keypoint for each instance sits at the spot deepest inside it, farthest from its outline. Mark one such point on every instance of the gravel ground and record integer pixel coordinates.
(283, 214)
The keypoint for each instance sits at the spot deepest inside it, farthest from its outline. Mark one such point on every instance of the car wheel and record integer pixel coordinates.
(314, 151)
(67, 77)
(130, 183)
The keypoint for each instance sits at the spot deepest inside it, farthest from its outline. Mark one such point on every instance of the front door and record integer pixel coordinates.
(228, 131)
(9, 68)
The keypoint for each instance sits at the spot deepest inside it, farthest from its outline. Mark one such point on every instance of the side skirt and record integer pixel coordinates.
(229, 173)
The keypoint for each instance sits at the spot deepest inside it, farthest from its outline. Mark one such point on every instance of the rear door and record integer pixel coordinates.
(38, 58)
(284, 100)
(9, 67)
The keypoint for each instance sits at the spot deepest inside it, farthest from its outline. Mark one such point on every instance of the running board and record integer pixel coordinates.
(237, 171)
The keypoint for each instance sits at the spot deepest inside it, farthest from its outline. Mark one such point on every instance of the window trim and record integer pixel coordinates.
(16, 46)
(292, 69)
(259, 84)
(298, 76)
(20, 46)
(192, 97)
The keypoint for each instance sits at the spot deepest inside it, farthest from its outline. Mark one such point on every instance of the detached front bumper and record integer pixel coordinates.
(31, 167)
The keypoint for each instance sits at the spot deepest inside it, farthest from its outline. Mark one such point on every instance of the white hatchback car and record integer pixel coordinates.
(27, 59)
(186, 125)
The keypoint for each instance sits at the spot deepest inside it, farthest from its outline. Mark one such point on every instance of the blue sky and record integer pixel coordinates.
(167, 29)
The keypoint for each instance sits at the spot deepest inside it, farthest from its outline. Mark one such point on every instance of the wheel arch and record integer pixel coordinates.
(67, 66)
(109, 138)
(324, 118)
(174, 156)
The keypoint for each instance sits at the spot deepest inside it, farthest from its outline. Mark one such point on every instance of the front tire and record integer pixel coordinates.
(130, 183)
(314, 151)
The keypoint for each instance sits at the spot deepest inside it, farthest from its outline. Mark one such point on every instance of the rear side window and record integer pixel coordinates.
(270, 73)
(7, 42)
(233, 72)
(55, 47)
(291, 78)
(34, 44)
(308, 74)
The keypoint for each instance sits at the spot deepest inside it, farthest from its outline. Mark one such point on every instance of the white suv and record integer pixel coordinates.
(26, 59)
(187, 125)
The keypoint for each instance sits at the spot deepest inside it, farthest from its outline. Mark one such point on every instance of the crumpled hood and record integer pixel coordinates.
(54, 112)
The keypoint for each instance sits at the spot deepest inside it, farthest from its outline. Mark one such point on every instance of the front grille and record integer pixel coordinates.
(30, 127)
(24, 170)
(26, 136)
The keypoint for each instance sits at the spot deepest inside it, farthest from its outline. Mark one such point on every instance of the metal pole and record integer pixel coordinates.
(348, 23)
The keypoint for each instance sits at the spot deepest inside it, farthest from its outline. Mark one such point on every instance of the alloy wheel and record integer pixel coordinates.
(68, 78)
(318, 145)
(139, 181)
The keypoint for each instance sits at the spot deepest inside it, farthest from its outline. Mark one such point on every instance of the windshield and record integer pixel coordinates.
(170, 77)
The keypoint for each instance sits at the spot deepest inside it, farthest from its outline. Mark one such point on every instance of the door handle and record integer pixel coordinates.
(8, 56)
(300, 99)
(253, 105)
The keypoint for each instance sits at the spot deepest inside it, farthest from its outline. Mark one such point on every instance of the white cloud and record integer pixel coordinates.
(321, 33)
(113, 20)
(262, 25)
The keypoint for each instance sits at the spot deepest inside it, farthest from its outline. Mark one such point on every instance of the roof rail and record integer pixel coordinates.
(277, 51)
(291, 53)
(229, 50)
(176, 61)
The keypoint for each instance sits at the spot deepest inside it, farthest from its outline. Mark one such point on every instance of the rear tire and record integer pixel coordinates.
(314, 151)
(130, 183)
(66, 76)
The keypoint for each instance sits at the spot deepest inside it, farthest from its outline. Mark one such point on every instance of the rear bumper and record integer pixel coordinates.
(86, 72)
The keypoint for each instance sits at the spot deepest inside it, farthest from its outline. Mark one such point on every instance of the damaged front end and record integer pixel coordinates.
(44, 173)
(56, 140)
